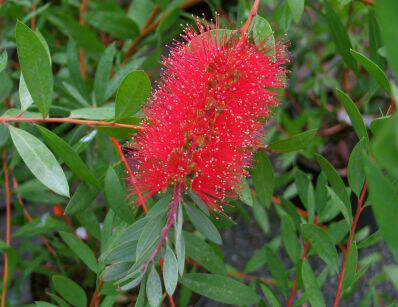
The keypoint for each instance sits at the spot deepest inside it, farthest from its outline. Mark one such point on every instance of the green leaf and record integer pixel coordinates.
(105, 112)
(115, 271)
(277, 269)
(297, 9)
(69, 290)
(170, 271)
(35, 67)
(81, 199)
(154, 288)
(272, 299)
(374, 70)
(385, 145)
(306, 192)
(80, 249)
(180, 241)
(289, 238)
(263, 178)
(69, 156)
(345, 210)
(384, 199)
(102, 74)
(311, 286)
(355, 171)
(354, 114)
(392, 273)
(351, 266)
(244, 192)
(72, 61)
(3, 60)
(322, 244)
(294, 143)
(340, 36)
(198, 250)
(149, 236)
(261, 216)
(203, 224)
(386, 13)
(115, 23)
(125, 252)
(199, 202)
(132, 93)
(44, 304)
(171, 18)
(334, 179)
(40, 161)
(262, 32)
(115, 196)
(220, 288)
(25, 98)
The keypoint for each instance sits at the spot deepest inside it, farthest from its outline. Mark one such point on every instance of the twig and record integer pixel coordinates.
(150, 27)
(265, 281)
(141, 201)
(358, 212)
(8, 227)
(95, 299)
(67, 120)
(33, 20)
(252, 13)
(367, 2)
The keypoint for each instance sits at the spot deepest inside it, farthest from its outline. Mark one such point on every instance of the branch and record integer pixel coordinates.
(8, 227)
(150, 27)
(358, 212)
(68, 120)
(252, 13)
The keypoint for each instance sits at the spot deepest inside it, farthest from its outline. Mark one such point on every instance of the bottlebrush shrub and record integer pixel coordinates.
(226, 182)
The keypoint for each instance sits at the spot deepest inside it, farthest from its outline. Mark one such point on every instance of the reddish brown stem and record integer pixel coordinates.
(141, 201)
(33, 20)
(67, 120)
(253, 12)
(8, 226)
(95, 299)
(358, 212)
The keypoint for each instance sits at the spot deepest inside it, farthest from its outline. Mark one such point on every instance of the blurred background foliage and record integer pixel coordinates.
(321, 198)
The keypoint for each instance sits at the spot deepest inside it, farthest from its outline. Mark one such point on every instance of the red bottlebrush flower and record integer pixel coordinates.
(207, 115)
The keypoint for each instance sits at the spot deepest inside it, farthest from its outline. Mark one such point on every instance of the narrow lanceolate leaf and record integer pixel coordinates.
(80, 249)
(386, 12)
(374, 70)
(102, 74)
(277, 269)
(289, 238)
(384, 199)
(69, 156)
(262, 32)
(306, 192)
(154, 288)
(355, 170)
(115, 196)
(170, 271)
(132, 93)
(180, 241)
(270, 296)
(334, 179)
(69, 290)
(81, 199)
(149, 236)
(35, 66)
(322, 243)
(385, 145)
(24, 96)
(261, 217)
(203, 224)
(220, 288)
(263, 178)
(294, 143)
(40, 160)
(345, 210)
(3, 60)
(311, 286)
(354, 114)
(245, 195)
(351, 266)
(297, 8)
(340, 36)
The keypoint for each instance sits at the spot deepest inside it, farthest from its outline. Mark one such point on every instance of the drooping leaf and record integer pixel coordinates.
(311, 286)
(170, 271)
(154, 288)
(41, 162)
(351, 266)
(102, 74)
(35, 67)
(322, 243)
(69, 156)
(220, 288)
(80, 249)
(69, 290)
(3, 60)
(297, 8)
(294, 143)
(25, 98)
(263, 178)
(262, 32)
(105, 112)
(355, 170)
